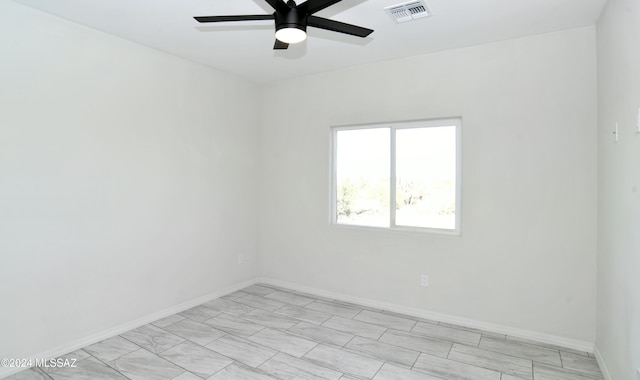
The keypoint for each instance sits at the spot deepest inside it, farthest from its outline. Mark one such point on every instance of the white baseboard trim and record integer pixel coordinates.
(117, 330)
(421, 313)
(602, 363)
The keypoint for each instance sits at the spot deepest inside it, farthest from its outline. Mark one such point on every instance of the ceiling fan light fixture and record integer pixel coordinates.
(291, 35)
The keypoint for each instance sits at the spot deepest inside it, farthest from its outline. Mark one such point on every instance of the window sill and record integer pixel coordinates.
(400, 229)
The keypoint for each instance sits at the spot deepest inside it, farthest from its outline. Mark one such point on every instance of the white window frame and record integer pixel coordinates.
(393, 127)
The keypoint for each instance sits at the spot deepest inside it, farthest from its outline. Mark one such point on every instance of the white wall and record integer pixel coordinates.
(618, 337)
(127, 181)
(527, 255)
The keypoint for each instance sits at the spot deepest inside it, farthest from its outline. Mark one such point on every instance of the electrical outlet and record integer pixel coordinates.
(638, 122)
(240, 258)
(615, 134)
(424, 280)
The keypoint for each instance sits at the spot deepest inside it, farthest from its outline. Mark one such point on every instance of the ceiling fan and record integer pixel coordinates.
(292, 20)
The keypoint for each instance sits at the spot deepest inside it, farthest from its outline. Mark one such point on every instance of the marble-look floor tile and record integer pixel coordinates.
(112, 348)
(260, 302)
(229, 307)
(80, 354)
(284, 342)
(508, 364)
(344, 361)
(321, 334)
(334, 308)
(269, 319)
(478, 331)
(363, 307)
(417, 319)
(258, 290)
(417, 343)
(268, 332)
(522, 350)
(549, 372)
(29, 374)
(152, 338)
(187, 376)
(276, 287)
(383, 351)
(200, 313)
(392, 372)
(234, 325)
(240, 372)
(580, 363)
(446, 333)
(287, 367)
(509, 377)
(363, 329)
(304, 314)
(453, 370)
(87, 369)
(309, 295)
(234, 295)
(547, 345)
(194, 331)
(242, 350)
(143, 365)
(290, 298)
(385, 320)
(197, 359)
(74, 356)
(168, 320)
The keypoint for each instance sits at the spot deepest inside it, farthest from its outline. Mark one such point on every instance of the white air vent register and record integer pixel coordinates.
(408, 11)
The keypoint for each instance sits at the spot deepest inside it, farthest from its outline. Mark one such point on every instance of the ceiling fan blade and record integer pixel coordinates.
(278, 5)
(233, 18)
(279, 45)
(313, 6)
(337, 26)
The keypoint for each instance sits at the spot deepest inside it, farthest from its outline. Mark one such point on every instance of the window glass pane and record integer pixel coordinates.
(426, 177)
(362, 177)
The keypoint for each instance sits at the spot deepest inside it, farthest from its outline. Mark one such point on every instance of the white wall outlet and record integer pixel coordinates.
(240, 258)
(638, 122)
(424, 280)
(615, 134)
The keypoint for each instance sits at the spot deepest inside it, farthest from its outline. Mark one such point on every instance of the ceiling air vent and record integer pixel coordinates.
(408, 11)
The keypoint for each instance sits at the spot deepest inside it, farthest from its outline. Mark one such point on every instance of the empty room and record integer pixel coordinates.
(320, 189)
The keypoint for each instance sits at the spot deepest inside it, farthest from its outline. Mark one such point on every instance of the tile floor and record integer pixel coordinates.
(267, 333)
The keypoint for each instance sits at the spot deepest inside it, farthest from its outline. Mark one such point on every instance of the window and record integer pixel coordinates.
(399, 175)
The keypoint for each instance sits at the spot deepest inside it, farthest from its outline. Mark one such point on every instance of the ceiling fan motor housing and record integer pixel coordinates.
(291, 19)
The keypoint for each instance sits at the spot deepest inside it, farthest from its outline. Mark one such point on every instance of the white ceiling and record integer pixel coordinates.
(245, 48)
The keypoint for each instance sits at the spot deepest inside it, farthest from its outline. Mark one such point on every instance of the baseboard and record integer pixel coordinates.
(420, 313)
(601, 363)
(117, 330)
